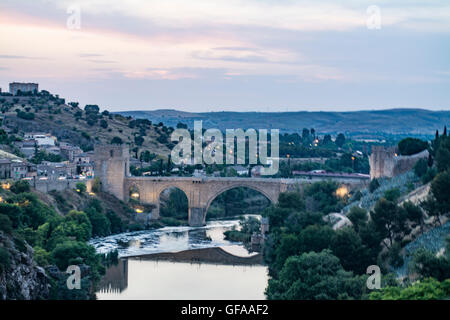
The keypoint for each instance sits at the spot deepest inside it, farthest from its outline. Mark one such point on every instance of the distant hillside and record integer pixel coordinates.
(47, 113)
(390, 122)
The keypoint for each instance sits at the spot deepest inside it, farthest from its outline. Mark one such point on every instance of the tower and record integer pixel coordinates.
(111, 167)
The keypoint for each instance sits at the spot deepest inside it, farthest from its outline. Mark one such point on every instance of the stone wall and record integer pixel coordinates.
(385, 162)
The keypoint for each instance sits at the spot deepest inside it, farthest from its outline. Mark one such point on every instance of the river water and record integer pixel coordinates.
(140, 276)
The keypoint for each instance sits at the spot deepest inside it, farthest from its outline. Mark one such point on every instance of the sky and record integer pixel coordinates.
(232, 55)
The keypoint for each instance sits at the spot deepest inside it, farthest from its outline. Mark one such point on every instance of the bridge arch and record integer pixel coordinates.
(171, 188)
(217, 193)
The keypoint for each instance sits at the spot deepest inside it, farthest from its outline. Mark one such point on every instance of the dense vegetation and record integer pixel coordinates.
(58, 241)
(307, 259)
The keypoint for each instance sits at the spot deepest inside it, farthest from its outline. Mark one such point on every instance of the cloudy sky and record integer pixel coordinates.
(240, 55)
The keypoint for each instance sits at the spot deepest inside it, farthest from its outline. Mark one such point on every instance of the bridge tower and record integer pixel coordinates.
(112, 166)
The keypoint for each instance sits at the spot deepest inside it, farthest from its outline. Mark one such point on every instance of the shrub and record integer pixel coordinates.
(5, 223)
(116, 140)
(81, 187)
(409, 146)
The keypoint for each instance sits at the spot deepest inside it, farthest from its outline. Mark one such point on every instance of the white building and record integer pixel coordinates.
(42, 139)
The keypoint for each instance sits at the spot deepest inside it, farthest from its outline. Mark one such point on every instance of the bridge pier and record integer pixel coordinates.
(196, 217)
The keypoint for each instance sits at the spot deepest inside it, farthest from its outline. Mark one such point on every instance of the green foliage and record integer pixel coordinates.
(81, 187)
(443, 154)
(104, 124)
(5, 224)
(427, 289)
(41, 256)
(392, 194)
(96, 185)
(421, 167)
(314, 276)
(409, 146)
(25, 115)
(74, 253)
(91, 108)
(440, 188)
(116, 140)
(20, 186)
(176, 206)
(358, 216)
(323, 196)
(389, 220)
(374, 185)
(340, 140)
(44, 156)
(426, 264)
(292, 200)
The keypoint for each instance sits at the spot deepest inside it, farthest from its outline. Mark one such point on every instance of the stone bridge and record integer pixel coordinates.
(112, 167)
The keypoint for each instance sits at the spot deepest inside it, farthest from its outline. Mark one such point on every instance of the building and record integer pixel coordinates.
(42, 139)
(56, 169)
(14, 87)
(69, 151)
(81, 158)
(5, 168)
(19, 169)
(26, 147)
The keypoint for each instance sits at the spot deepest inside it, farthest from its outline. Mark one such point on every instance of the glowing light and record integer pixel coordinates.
(6, 186)
(341, 192)
(91, 193)
(135, 195)
(139, 210)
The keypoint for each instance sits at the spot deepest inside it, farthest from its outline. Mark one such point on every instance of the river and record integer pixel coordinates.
(181, 263)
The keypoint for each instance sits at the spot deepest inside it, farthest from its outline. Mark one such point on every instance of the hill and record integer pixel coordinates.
(381, 122)
(47, 113)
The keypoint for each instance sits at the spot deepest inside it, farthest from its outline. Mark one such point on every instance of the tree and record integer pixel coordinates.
(291, 200)
(428, 289)
(346, 245)
(440, 188)
(409, 146)
(91, 108)
(80, 187)
(358, 216)
(314, 276)
(421, 167)
(414, 213)
(389, 220)
(392, 194)
(20, 186)
(327, 139)
(116, 140)
(340, 140)
(443, 154)
(374, 185)
(104, 124)
(426, 264)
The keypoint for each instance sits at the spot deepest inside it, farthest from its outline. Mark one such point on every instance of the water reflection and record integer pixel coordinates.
(115, 279)
(192, 263)
(153, 279)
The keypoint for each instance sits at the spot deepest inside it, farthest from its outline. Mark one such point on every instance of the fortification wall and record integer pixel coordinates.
(385, 162)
